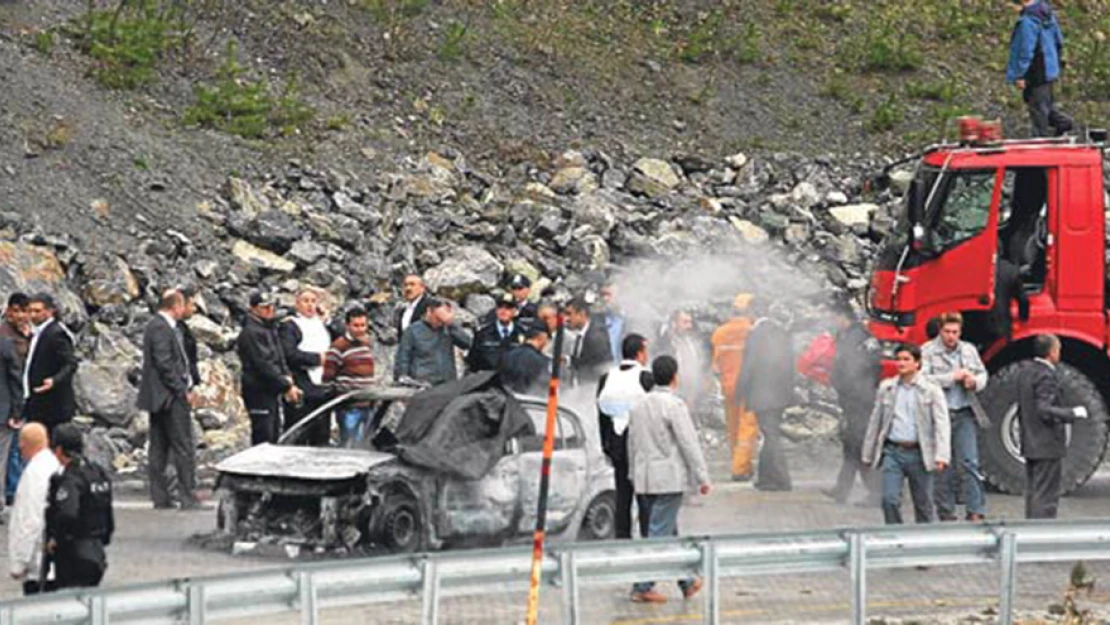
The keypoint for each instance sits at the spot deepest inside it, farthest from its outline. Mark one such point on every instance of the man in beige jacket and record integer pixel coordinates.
(908, 437)
(664, 459)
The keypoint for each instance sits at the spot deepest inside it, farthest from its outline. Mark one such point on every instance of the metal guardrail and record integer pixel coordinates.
(570, 568)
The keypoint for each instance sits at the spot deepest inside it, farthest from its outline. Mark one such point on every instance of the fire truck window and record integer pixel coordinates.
(966, 209)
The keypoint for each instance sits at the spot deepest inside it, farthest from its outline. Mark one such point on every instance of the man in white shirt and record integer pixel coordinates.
(28, 521)
(416, 303)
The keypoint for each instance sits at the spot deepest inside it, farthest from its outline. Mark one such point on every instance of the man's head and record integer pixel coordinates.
(438, 313)
(506, 310)
(41, 308)
(951, 325)
(412, 287)
(307, 303)
(682, 322)
(68, 442)
(932, 328)
(578, 313)
(358, 323)
(16, 312)
(536, 337)
(1019, 5)
(32, 439)
(548, 314)
(634, 347)
(665, 371)
(262, 305)
(172, 304)
(742, 303)
(521, 287)
(1047, 346)
(608, 294)
(907, 360)
(190, 294)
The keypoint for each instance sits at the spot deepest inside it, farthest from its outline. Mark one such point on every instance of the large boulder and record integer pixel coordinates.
(219, 391)
(34, 268)
(244, 199)
(598, 210)
(275, 231)
(108, 281)
(104, 391)
(853, 214)
(260, 258)
(652, 177)
(211, 333)
(468, 269)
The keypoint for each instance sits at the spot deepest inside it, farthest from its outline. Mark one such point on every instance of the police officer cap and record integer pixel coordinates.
(520, 281)
(261, 298)
(506, 301)
(69, 438)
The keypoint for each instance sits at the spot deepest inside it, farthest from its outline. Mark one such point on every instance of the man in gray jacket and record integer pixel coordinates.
(908, 437)
(955, 366)
(664, 459)
(427, 350)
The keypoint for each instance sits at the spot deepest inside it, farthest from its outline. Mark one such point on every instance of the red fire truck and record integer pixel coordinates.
(1041, 205)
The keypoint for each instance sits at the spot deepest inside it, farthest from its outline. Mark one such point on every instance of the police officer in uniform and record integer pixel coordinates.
(79, 521)
(495, 338)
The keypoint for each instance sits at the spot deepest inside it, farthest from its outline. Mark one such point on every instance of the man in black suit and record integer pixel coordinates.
(521, 288)
(164, 393)
(766, 387)
(495, 338)
(416, 304)
(590, 355)
(187, 338)
(524, 368)
(51, 364)
(1044, 439)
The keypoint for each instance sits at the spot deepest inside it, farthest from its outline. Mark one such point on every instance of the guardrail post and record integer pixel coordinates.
(712, 582)
(857, 556)
(197, 614)
(1007, 552)
(98, 610)
(306, 586)
(568, 571)
(431, 592)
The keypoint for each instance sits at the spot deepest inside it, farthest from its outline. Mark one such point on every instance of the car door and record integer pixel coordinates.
(568, 470)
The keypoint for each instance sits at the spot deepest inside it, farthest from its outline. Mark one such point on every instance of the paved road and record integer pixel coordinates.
(153, 545)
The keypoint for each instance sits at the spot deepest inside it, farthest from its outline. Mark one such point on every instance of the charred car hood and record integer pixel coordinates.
(302, 463)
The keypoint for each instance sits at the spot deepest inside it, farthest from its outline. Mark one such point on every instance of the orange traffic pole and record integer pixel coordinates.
(545, 477)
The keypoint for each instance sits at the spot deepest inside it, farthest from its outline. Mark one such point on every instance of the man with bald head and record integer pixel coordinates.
(28, 521)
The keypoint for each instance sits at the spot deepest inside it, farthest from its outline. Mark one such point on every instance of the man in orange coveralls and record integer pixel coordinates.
(728, 354)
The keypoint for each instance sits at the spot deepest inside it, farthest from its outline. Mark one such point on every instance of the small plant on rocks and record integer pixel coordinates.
(128, 40)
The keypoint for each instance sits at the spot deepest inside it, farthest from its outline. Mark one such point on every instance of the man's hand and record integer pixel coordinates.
(47, 384)
(1080, 412)
(969, 382)
(51, 546)
(941, 466)
(18, 576)
(192, 399)
(1020, 83)
(704, 489)
(15, 423)
(294, 394)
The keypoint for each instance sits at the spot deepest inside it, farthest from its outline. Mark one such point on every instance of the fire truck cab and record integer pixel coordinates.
(1040, 205)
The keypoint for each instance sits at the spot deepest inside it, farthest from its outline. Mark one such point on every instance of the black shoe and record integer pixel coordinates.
(835, 495)
(947, 518)
(771, 488)
(192, 503)
(746, 477)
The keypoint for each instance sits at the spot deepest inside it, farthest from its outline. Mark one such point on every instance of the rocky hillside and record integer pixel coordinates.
(694, 147)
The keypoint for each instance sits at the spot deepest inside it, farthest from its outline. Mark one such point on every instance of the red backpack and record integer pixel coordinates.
(816, 362)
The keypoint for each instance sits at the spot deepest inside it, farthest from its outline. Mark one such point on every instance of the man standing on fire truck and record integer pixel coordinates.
(955, 365)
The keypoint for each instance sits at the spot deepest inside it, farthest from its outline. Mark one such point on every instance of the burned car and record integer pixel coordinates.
(454, 465)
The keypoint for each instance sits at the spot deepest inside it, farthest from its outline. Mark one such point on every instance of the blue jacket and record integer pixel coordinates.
(1036, 28)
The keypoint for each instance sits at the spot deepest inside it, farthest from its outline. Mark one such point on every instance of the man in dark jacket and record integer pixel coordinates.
(164, 392)
(495, 338)
(265, 376)
(79, 518)
(16, 329)
(590, 354)
(427, 350)
(1007, 288)
(305, 341)
(618, 390)
(51, 364)
(766, 387)
(187, 338)
(416, 304)
(1044, 438)
(524, 369)
(1036, 56)
(855, 377)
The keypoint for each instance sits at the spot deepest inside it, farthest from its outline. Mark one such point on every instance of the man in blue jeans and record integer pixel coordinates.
(908, 437)
(955, 366)
(664, 459)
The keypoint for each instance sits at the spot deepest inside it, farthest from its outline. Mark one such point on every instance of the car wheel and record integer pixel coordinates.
(600, 520)
(400, 527)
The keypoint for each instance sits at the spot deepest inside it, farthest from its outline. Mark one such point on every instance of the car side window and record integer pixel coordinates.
(562, 439)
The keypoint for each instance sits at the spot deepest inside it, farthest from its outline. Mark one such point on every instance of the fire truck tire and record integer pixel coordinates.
(1000, 445)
